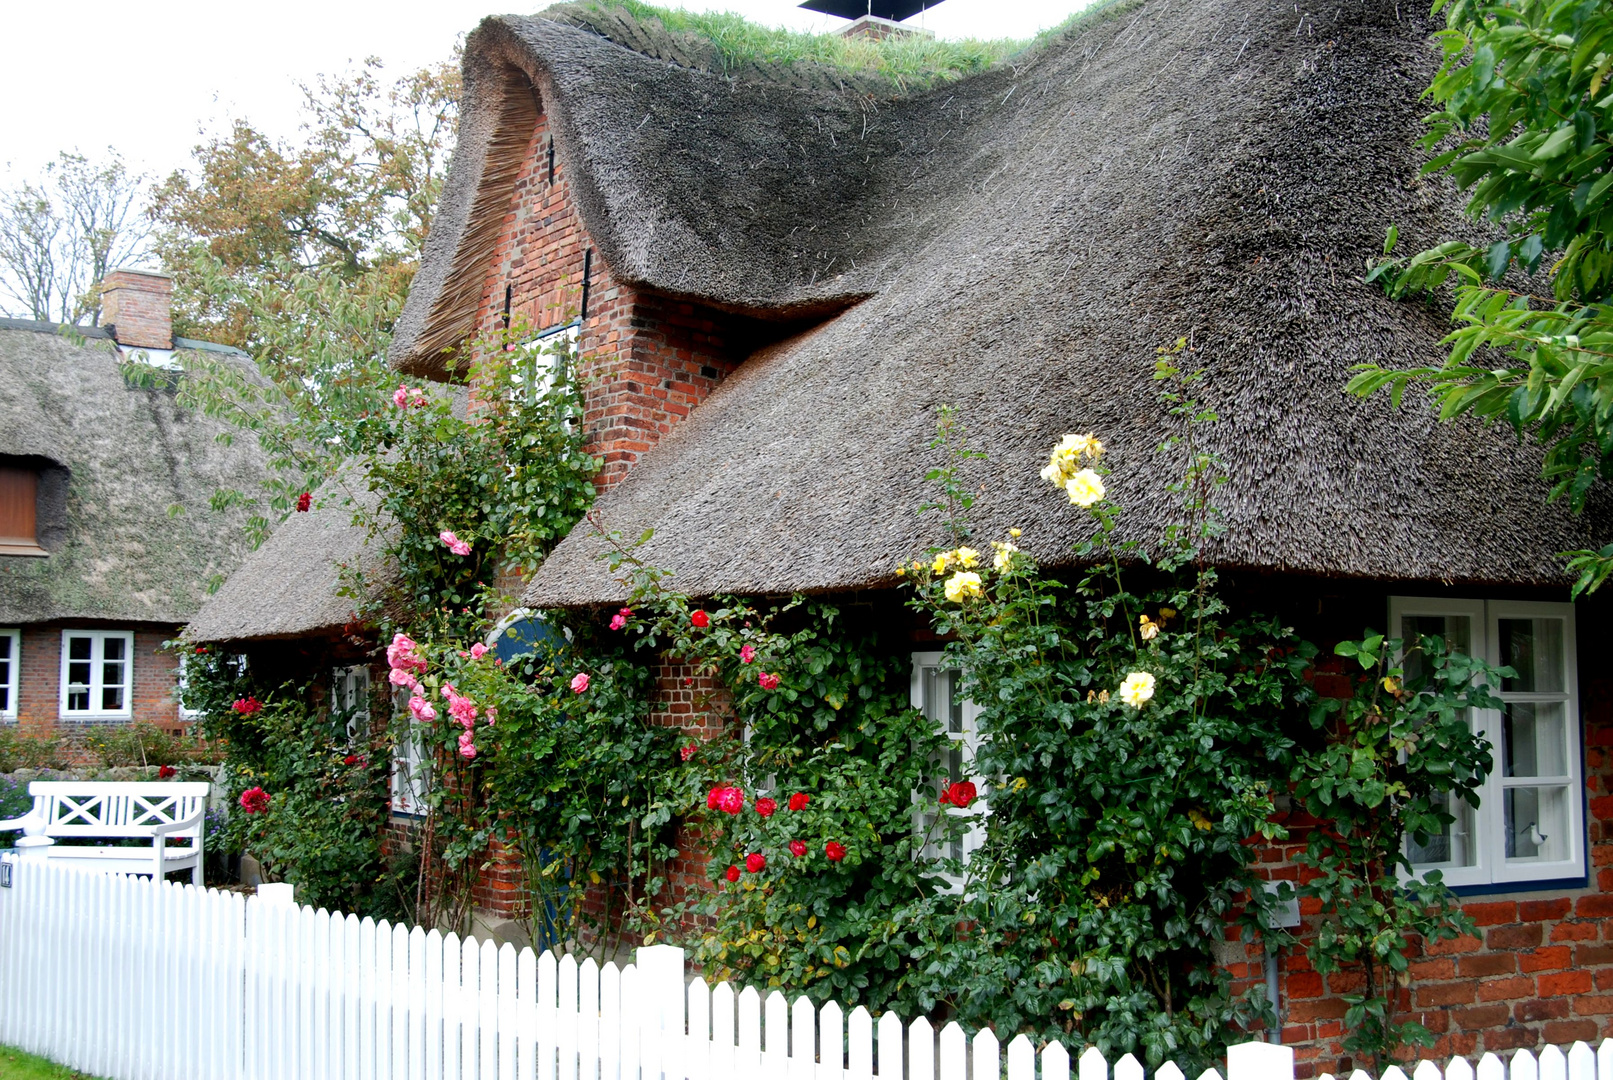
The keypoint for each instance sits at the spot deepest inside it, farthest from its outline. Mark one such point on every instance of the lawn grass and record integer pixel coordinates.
(16, 1065)
(909, 62)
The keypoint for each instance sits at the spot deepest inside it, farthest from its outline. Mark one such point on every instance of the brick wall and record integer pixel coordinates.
(154, 697)
(647, 361)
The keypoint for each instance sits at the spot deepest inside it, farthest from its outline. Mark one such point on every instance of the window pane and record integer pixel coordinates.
(5, 672)
(1456, 630)
(1534, 740)
(112, 698)
(1536, 823)
(1453, 846)
(954, 704)
(1534, 649)
(79, 648)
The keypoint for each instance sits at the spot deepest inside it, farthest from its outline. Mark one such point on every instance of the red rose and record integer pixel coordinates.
(799, 801)
(687, 751)
(797, 848)
(959, 795)
(767, 681)
(247, 706)
(350, 759)
(765, 807)
(835, 850)
(730, 800)
(700, 619)
(165, 772)
(756, 862)
(304, 501)
(201, 649)
(732, 873)
(254, 800)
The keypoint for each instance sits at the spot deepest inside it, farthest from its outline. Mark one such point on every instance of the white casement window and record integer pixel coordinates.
(410, 764)
(533, 375)
(10, 669)
(1529, 823)
(97, 674)
(935, 694)
(350, 699)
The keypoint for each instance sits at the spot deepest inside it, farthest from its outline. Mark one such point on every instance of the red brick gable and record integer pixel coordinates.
(647, 360)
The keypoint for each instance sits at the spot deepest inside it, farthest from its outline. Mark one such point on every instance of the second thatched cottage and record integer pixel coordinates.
(777, 273)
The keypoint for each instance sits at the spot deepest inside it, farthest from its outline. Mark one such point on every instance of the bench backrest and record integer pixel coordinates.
(87, 808)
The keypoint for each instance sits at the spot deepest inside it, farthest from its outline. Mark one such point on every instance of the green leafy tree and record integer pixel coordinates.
(1525, 127)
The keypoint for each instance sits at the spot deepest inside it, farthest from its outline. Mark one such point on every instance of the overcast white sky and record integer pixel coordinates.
(146, 75)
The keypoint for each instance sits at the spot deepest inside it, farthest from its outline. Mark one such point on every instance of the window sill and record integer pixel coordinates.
(1500, 887)
(93, 718)
(23, 549)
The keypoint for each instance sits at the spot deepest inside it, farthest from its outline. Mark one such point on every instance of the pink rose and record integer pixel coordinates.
(747, 654)
(467, 748)
(619, 620)
(400, 397)
(491, 714)
(580, 682)
(403, 653)
(455, 544)
(767, 681)
(687, 752)
(477, 651)
(463, 710)
(422, 710)
(254, 800)
(400, 677)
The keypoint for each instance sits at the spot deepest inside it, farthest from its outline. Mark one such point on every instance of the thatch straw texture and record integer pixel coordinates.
(294, 584)
(129, 476)
(1025, 239)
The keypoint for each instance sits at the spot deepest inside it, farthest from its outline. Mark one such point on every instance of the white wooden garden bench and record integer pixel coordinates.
(161, 811)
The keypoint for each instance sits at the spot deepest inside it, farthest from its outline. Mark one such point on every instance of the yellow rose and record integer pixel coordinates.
(1019, 783)
(940, 564)
(967, 557)
(1167, 613)
(901, 571)
(962, 585)
(1005, 555)
(1137, 689)
(1014, 533)
(1149, 628)
(1084, 488)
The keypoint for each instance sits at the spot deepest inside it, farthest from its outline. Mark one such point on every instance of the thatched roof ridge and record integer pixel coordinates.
(293, 585)
(1212, 169)
(774, 197)
(118, 461)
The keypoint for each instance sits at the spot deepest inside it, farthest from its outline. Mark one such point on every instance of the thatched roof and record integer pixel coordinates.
(1020, 242)
(293, 584)
(128, 479)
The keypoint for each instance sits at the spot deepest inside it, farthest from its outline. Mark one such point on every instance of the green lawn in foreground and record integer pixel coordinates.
(16, 1065)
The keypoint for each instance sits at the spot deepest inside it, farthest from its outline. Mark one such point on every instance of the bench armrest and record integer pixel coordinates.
(182, 824)
(33, 823)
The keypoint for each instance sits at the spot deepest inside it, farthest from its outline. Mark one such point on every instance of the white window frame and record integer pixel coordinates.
(1491, 868)
(350, 694)
(13, 677)
(969, 744)
(410, 781)
(542, 351)
(96, 685)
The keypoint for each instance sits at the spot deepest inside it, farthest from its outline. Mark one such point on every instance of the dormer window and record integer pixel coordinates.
(19, 510)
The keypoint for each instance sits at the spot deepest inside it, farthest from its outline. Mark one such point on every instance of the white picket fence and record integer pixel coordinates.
(128, 979)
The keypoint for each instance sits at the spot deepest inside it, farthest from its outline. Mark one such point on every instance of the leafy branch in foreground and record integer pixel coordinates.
(1527, 130)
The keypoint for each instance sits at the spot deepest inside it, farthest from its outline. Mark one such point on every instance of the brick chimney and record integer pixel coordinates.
(137, 308)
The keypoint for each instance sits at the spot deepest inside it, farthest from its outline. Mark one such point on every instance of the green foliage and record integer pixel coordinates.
(1526, 128)
(16, 1065)
(1133, 742)
(507, 474)
(1390, 761)
(328, 788)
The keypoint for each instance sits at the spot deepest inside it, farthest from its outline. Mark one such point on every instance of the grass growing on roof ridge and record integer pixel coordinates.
(911, 62)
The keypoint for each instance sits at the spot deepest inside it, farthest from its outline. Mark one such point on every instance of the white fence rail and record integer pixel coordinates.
(133, 980)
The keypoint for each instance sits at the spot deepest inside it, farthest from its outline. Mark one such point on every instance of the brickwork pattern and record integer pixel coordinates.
(139, 306)
(155, 677)
(647, 361)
